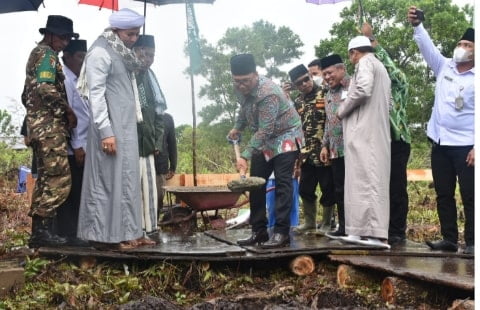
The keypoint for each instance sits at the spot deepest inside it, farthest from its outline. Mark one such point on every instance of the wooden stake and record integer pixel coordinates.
(302, 265)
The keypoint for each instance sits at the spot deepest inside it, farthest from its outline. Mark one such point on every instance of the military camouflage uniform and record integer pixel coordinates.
(311, 108)
(46, 103)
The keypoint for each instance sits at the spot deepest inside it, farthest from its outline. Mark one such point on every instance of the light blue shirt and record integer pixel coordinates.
(81, 109)
(448, 125)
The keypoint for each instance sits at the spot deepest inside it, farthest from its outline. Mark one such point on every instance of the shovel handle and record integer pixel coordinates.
(236, 148)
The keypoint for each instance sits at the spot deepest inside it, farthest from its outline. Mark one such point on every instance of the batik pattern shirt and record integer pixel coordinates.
(273, 119)
(398, 110)
(311, 108)
(333, 136)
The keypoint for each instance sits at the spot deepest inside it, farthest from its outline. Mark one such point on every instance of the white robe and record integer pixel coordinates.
(366, 133)
(110, 208)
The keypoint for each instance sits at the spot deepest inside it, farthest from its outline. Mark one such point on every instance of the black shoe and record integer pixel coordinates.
(74, 241)
(277, 240)
(257, 237)
(43, 235)
(335, 234)
(397, 241)
(443, 245)
(469, 250)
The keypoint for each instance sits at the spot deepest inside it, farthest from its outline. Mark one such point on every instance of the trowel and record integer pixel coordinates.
(243, 184)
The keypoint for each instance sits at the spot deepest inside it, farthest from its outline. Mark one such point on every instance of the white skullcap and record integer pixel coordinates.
(359, 41)
(126, 19)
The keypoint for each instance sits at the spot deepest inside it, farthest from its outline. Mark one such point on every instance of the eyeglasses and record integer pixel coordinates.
(304, 80)
(244, 82)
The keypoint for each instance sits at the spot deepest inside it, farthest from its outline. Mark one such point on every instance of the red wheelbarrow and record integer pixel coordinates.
(201, 199)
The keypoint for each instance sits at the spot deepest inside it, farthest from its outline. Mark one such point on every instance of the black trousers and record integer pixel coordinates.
(67, 213)
(398, 189)
(282, 165)
(448, 164)
(310, 177)
(338, 172)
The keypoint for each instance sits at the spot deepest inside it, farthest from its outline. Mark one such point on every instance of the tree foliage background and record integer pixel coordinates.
(274, 46)
(445, 23)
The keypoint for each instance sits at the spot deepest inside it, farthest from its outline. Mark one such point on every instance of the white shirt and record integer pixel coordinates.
(81, 109)
(448, 125)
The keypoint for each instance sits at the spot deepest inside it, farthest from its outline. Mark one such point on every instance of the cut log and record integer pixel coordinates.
(348, 276)
(87, 262)
(398, 291)
(302, 265)
(463, 304)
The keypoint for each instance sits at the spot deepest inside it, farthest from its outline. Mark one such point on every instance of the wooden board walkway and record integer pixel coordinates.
(412, 260)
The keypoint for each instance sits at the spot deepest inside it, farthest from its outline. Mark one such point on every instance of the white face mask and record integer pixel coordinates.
(318, 80)
(462, 55)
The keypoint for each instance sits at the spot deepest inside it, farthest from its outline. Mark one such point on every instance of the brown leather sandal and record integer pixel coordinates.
(145, 241)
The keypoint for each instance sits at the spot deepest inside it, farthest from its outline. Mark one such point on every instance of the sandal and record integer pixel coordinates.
(145, 241)
(128, 245)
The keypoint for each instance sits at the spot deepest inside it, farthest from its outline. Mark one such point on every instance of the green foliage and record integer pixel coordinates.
(6, 127)
(445, 23)
(34, 266)
(214, 153)
(271, 47)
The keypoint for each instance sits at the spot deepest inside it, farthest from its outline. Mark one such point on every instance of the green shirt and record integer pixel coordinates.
(398, 110)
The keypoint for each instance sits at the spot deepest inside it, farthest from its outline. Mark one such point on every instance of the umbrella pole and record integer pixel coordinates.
(144, 14)
(194, 131)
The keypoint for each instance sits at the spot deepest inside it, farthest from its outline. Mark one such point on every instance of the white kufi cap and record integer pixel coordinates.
(126, 19)
(359, 41)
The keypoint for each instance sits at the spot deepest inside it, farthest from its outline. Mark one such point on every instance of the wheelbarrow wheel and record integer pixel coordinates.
(179, 219)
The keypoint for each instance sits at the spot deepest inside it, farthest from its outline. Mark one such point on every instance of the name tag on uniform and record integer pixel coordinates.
(448, 78)
(344, 95)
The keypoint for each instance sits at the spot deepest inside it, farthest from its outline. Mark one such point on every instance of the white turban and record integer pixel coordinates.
(126, 19)
(359, 41)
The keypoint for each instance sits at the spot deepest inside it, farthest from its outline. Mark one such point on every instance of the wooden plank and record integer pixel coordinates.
(11, 276)
(419, 175)
(449, 271)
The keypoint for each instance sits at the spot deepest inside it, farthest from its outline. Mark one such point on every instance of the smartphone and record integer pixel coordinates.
(420, 15)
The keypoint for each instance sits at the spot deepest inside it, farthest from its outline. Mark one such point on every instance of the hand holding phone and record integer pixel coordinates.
(420, 15)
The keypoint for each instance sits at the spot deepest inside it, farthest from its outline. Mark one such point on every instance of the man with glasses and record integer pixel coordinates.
(277, 137)
(310, 105)
(49, 119)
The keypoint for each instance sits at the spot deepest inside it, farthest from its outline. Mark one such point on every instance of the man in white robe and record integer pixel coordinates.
(110, 208)
(366, 132)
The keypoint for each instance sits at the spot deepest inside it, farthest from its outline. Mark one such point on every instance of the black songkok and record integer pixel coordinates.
(145, 40)
(76, 46)
(330, 60)
(469, 35)
(242, 64)
(297, 72)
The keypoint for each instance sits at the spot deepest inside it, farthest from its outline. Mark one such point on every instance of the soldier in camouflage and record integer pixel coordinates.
(310, 105)
(49, 119)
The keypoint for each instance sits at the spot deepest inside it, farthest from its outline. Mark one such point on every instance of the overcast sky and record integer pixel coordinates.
(20, 34)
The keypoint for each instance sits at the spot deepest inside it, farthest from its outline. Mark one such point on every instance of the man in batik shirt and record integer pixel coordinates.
(277, 137)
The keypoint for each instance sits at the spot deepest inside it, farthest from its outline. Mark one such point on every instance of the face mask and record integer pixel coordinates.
(462, 55)
(318, 80)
